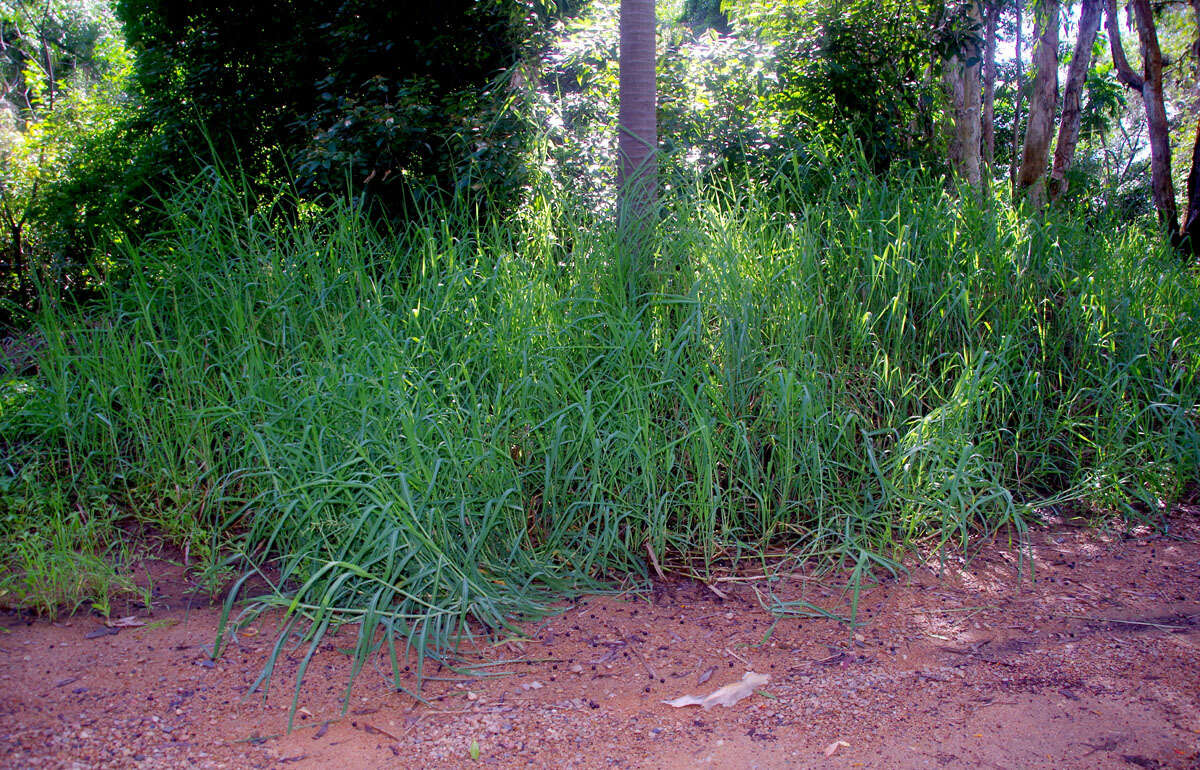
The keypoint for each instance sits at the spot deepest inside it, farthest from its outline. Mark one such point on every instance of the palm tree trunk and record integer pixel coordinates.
(637, 136)
(1068, 129)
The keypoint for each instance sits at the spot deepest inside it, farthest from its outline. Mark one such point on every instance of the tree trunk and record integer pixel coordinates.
(961, 76)
(1149, 85)
(1068, 129)
(637, 136)
(1191, 220)
(1020, 92)
(1031, 178)
(1156, 117)
(1196, 42)
(989, 85)
(969, 120)
(16, 232)
(952, 82)
(1125, 73)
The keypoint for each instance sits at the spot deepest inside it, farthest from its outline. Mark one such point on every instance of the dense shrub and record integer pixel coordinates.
(381, 98)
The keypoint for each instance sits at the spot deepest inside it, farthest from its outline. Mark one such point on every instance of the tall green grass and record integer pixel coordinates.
(438, 429)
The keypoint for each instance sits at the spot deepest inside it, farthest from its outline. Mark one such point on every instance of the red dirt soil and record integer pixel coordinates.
(1093, 664)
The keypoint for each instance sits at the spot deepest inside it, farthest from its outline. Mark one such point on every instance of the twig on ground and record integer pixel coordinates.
(1163, 626)
(716, 590)
(636, 651)
(654, 562)
(739, 657)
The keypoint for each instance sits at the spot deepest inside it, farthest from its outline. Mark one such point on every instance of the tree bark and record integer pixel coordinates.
(637, 136)
(1068, 128)
(1196, 42)
(16, 231)
(1020, 92)
(989, 85)
(1149, 84)
(1191, 220)
(969, 120)
(952, 82)
(961, 77)
(1031, 178)
(1156, 118)
(1125, 73)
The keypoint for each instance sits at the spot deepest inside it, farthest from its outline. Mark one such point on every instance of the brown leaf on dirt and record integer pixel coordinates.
(832, 748)
(373, 730)
(129, 621)
(724, 696)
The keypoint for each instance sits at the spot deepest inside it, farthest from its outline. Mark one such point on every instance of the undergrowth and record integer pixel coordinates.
(442, 428)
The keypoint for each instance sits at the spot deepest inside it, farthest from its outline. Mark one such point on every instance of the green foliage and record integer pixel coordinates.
(65, 69)
(713, 115)
(367, 97)
(57, 528)
(868, 69)
(433, 430)
(703, 15)
(752, 94)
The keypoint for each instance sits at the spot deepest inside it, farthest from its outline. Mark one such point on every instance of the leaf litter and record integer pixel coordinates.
(728, 695)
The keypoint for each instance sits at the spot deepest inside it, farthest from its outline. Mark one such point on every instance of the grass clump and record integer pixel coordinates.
(456, 422)
(57, 530)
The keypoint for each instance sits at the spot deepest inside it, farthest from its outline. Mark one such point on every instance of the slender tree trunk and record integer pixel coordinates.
(637, 137)
(1031, 178)
(989, 86)
(1196, 42)
(1191, 220)
(961, 76)
(47, 59)
(1020, 93)
(969, 124)
(1156, 118)
(1068, 129)
(16, 232)
(952, 82)
(1149, 85)
(1125, 73)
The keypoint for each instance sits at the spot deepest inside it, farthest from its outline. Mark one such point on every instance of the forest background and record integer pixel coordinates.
(334, 294)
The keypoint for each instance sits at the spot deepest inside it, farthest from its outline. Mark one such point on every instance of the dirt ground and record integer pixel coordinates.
(1093, 664)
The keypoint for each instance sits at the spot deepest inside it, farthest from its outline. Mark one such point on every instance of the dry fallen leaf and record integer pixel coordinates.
(724, 696)
(129, 621)
(832, 748)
